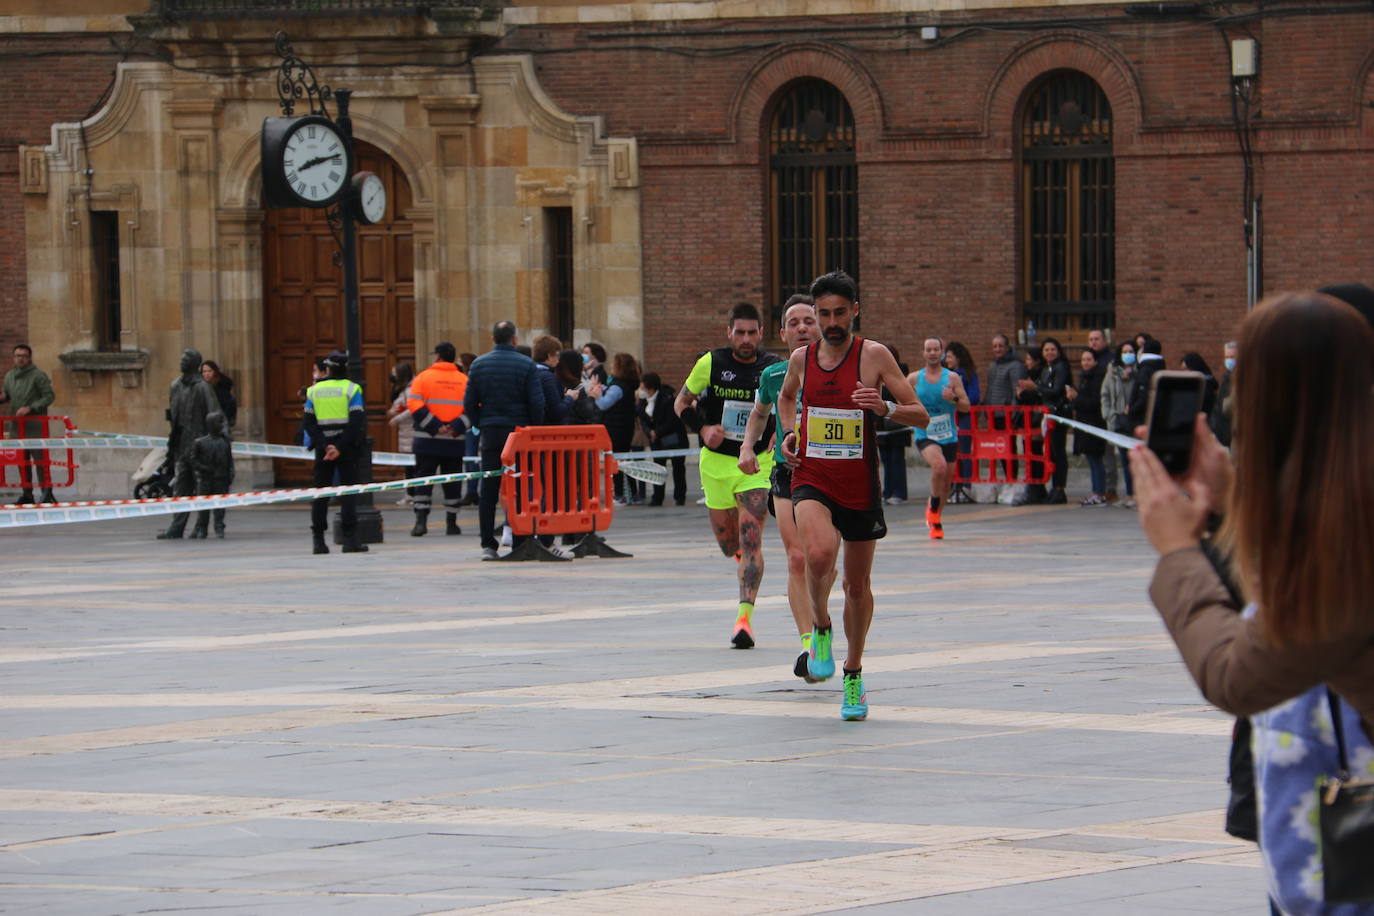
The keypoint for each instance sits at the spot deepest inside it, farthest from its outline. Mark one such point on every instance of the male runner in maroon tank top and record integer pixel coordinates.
(835, 494)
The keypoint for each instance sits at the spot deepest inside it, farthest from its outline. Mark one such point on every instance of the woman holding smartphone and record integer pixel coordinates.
(1299, 519)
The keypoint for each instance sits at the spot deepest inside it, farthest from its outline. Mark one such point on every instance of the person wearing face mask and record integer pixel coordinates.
(593, 363)
(1116, 405)
(1220, 417)
(665, 431)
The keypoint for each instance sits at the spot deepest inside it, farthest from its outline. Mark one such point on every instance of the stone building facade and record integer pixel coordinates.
(625, 172)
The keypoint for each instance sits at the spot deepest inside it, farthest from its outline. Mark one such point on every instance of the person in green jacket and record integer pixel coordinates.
(28, 392)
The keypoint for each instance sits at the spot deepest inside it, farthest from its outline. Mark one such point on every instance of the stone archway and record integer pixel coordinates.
(303, 306)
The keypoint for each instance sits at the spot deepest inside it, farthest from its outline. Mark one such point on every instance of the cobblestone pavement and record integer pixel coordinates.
(239, 726)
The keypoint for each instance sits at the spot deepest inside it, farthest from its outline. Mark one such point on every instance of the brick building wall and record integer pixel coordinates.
(938, 166)
(48, 78)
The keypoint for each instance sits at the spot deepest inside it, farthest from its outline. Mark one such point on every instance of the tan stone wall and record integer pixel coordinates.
(177, 155)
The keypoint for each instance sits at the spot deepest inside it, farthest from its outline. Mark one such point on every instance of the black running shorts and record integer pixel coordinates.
(852, 524)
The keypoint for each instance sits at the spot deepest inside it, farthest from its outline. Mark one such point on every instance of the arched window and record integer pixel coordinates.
(1068, 205)
(813, 190)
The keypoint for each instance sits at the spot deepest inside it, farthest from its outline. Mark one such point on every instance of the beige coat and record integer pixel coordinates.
(1229, 658)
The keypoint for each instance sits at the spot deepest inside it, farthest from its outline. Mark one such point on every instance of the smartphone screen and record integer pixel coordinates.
(1175, 400)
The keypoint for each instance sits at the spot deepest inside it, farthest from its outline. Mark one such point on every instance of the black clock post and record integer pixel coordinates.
(332, 188)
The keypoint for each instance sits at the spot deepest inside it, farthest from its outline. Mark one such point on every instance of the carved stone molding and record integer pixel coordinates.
(33, 175)
(127, 365)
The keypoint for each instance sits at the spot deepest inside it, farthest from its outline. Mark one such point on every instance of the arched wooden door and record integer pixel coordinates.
(303, 303)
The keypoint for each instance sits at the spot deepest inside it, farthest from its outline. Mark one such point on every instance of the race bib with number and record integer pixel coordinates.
(834, 433)
(734, 416)
(940, 427)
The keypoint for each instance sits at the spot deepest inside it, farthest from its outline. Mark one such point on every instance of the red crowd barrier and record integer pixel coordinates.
(1003, 445)
(563, 484)
(34, 468)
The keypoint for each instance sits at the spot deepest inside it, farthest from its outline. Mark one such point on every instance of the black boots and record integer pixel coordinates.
(200, 532)
(451, 524)
(48, 496)
(219, 530)
(350, 543)
(421, 525)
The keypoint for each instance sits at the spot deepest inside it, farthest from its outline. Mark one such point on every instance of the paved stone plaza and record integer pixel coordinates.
(240, 726)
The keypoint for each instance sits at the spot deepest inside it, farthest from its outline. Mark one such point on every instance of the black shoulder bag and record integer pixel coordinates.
(1242, 811)
(1345, 809)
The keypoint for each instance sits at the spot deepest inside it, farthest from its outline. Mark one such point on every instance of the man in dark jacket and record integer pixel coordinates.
(504, 391)
(999, 389)
(665, 431)
(1150, 361)
(545, 352)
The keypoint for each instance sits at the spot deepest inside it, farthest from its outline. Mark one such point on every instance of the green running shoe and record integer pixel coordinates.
(855, 706)
(821, 664)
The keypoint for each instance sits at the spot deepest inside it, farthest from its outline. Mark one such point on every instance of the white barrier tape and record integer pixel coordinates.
(97, 440)
(645, 472)
(105, 510)
(246, 449)
(1118, 439)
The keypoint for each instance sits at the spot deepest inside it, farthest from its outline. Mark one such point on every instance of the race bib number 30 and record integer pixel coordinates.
(733, 418)
(834, 433)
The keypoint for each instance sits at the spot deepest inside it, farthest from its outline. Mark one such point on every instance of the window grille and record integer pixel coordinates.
(105, 261)
(1068, 205)
(558, 234)
(813, 191)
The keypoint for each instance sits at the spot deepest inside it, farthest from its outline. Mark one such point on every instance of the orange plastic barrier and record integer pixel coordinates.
(1003, 445)
(563, 484)
(34, 467)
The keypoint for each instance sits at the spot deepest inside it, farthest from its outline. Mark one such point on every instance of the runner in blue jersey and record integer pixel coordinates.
(942, 393)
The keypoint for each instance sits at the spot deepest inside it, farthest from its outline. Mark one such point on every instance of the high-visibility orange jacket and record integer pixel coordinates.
(436, 399)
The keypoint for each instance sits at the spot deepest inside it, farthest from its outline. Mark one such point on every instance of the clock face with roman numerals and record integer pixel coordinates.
(314, 162)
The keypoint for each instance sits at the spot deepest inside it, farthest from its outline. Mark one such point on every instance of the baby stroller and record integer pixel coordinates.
(155, 475)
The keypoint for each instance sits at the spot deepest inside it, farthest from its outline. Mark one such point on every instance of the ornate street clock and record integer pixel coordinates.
(306, 162)
(369, 195)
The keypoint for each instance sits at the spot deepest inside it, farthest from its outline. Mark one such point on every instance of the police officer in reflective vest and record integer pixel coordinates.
(336, 424)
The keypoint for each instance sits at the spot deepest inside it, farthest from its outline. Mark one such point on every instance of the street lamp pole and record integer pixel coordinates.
(296, 82)
(348, 230)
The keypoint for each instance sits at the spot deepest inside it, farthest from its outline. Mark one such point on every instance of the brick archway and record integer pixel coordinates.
(1061, 51)
(752, 103)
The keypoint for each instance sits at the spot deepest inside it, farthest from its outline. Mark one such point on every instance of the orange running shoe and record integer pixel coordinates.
(933, 523)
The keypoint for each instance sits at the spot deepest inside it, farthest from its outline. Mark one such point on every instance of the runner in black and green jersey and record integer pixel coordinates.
(715, 402)
(799, 328)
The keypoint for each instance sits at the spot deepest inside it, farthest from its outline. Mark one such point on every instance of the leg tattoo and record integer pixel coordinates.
(725, 526)
(753, 509)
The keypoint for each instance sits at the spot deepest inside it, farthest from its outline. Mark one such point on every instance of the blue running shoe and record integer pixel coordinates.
(855, 706)
(821, 665)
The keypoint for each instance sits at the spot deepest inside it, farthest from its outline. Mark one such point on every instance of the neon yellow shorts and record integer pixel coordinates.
(721, 478)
